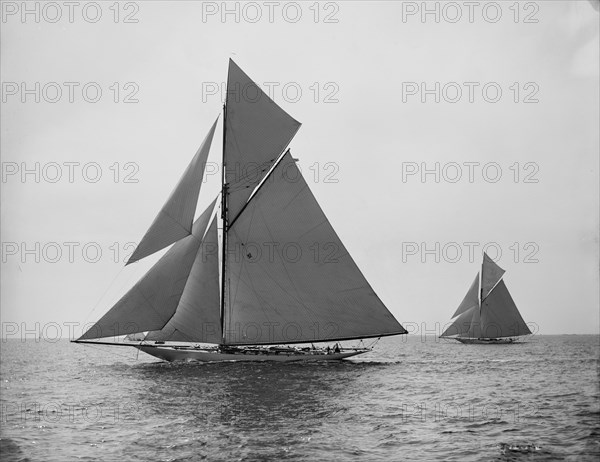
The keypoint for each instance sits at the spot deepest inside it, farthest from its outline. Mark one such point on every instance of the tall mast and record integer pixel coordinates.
(481, 286)
(224, 220)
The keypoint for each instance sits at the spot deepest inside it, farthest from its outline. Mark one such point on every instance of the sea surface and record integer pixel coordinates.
(412, 398)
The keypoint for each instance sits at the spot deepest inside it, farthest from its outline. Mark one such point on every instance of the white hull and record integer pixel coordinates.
(168, 353)
(486, 341)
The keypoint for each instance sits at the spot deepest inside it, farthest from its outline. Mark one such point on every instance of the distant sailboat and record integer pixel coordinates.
(284, 276)
(488, 314)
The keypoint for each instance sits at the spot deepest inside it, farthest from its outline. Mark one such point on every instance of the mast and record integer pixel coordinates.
(481, 286)
(224, 222)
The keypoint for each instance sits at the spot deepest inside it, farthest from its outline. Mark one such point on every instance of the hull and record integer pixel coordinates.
(486, 341)
(216, 355)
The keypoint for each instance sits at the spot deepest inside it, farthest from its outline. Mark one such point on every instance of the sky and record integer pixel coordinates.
(427, 136)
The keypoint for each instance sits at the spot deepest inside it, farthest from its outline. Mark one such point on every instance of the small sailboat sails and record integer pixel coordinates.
(488, 313)
(277, 275)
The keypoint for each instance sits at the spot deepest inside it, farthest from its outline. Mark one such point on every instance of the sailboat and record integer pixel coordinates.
(487, 314)
(273, 282)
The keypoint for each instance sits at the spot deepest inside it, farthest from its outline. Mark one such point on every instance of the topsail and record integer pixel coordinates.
(257, 131)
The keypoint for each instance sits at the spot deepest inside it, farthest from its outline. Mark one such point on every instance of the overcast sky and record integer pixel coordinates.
(514, 138)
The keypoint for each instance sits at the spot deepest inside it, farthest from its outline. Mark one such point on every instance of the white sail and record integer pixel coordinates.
(500, 316)
(151, 302)
(462, 324)
(471, 299)
(289, 277)
(490, 275)
(174, 221)
(257, 131)
(197, 318)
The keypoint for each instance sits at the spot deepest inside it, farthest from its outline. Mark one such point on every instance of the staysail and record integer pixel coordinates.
(462, 324)
(151, 302)
(257, 131)
(470, 300)
(197, 318)
(174, 221)
(289, 276)
(475, 327)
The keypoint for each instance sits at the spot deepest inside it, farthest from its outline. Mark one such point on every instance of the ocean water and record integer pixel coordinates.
(409, 399)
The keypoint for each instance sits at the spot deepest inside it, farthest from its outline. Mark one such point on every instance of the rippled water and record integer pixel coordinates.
(410, 399)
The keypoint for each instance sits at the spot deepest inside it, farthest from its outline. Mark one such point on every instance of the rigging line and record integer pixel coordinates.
(103, 295)
(258, 188)
(372, 345)
(244, 181)
(488, 294)
(273, 161)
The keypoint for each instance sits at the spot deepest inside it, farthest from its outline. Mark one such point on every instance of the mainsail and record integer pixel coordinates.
(290, 277)
(494, 316)
(500, 316)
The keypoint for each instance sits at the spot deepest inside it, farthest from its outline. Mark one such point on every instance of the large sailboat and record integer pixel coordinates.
(487, 314)
(273, 282)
